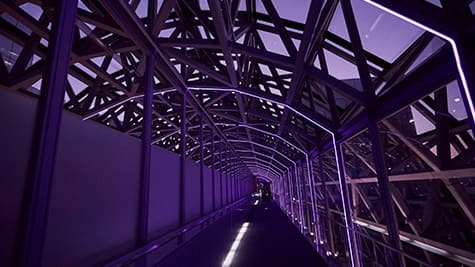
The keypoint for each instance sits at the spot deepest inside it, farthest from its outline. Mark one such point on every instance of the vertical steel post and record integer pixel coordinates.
(316, 218)
(304, 197)
(291, 196)
(384, 192)
(146, 152)
(286, 192)
(202, 190)
(147, 83)
(240, 182)
(226, 157)
(182, 181)
(330, 233)
(241, 187)
(351, 235)
(231, 191)
(299, 195)
(45, 138)
(231, 180)
(287, 196)
(233, 187)
(231, 174)
(235, 183)
(282, 192)
(213, 170)
(221, 175)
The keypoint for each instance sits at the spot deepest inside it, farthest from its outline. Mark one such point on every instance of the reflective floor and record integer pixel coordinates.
(270, 239)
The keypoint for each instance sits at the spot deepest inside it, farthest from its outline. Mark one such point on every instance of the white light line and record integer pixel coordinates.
(232, 251)
(300, 114)
(452, 42)
(428, 247)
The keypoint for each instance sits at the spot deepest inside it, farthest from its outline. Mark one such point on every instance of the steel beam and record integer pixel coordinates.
(213, 171)
(146, 152)
(301, 55)
(425, 14)
(202, 192)
(220, 178)
(330, 233)
(437, 71)
(356, 260)
(384, 192)
(128, 20)
(457, 191)
(45, 138)
(182, 178)
(431, 175)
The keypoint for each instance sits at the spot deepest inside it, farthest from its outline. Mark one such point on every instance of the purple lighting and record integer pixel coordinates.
(466, 89)
(150, 249)
(354, 258)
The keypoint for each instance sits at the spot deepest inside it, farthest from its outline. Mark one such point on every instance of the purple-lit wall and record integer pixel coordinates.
(192, 191)
(163, 212)
(15, 139)
(208, 201)
(93, 211)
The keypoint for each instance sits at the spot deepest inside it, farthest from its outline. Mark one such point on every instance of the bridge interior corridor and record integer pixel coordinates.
(141, 133)
(269, 239)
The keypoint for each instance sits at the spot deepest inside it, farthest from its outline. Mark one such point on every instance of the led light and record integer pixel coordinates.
(428, 247)
(443, 36)
(229, 258)
(151, 248)
(353, 260)
(232, 251)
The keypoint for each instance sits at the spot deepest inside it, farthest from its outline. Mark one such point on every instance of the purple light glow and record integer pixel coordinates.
(309, 173)
(316, 124)
(452, 42)
(234, 90)
(299, 194)
(152, 248)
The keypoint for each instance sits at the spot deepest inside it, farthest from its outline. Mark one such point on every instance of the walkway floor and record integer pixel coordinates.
(271, 240)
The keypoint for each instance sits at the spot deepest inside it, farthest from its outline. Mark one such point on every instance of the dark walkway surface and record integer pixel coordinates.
(271, 240)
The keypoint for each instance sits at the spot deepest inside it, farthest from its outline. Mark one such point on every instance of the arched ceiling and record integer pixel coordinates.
(304, 55)
(266, 82)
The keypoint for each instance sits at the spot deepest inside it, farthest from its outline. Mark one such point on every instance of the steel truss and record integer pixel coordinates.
(200, 78)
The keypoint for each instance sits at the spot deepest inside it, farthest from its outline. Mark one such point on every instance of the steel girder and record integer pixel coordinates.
(225, 45)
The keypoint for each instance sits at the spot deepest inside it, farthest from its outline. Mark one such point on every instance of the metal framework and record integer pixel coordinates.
(376, 165)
